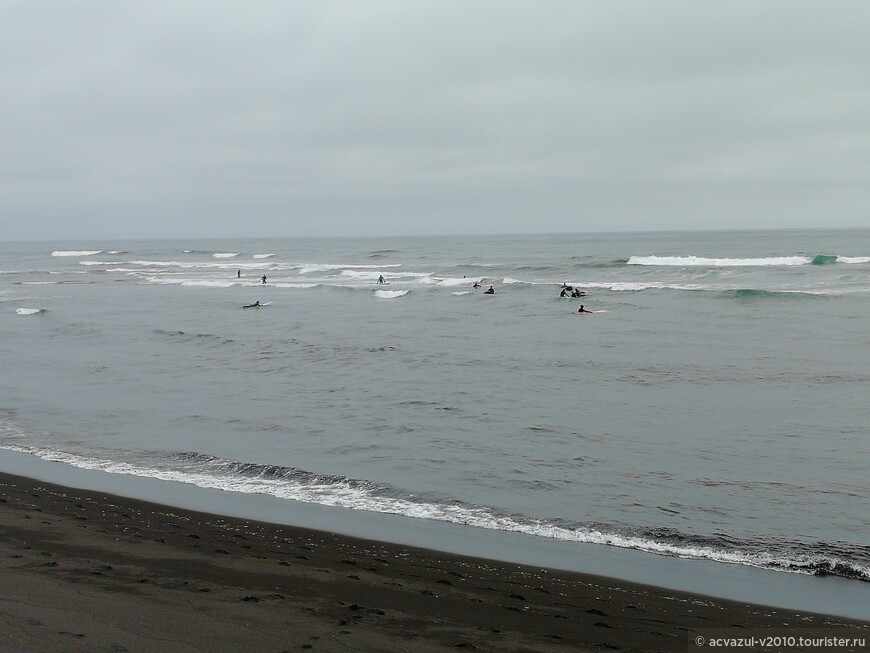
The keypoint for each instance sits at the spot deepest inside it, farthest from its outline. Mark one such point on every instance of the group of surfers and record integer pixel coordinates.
(567, 291)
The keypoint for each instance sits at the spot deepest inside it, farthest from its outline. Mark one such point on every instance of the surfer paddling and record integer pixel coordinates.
(582, 310)
(256, 304)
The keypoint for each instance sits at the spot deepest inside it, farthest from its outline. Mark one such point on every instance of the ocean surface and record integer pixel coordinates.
(716, 409)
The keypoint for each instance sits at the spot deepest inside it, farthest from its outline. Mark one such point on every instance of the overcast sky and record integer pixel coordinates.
(293, 118)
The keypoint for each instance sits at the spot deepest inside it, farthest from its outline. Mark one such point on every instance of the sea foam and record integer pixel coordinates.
(391, 294)
(340, 491)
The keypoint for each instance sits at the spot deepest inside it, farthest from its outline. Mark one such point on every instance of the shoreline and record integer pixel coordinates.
(98, 571)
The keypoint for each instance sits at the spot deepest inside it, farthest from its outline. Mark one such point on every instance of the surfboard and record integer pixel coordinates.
(266, 304)
(591, 312)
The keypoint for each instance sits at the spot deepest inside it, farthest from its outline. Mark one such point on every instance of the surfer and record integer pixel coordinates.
(256, 304)
(578, 293)
(476, 285)
(381, 279)
(564, 292)
(264, 279)
(582, 310)
(489, 291)
(239, 274)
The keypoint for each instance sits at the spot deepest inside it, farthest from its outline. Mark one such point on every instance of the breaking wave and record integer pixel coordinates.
(390, 294)
(295, 484)
(697, 261)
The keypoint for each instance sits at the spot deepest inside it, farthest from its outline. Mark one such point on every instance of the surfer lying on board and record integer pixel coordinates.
(256, 304)
(582, 310)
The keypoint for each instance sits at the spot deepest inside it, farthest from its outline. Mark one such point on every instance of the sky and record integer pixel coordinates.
(404, 117)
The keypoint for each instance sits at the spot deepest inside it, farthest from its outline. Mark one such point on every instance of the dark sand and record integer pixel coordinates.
(86, 571)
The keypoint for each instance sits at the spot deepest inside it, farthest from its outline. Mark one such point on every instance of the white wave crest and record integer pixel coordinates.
(853, 259)
(512, 280)
(461, 292)
(76, 252)
(347, 494)
(208, 283)
(454, 281)
(263, 255)
(390, 294)
(697, 261)
(29, 311)
(633, 286)
(307, 268)
(225, 254)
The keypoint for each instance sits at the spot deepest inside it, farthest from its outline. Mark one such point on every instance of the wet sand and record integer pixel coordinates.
(87, 571)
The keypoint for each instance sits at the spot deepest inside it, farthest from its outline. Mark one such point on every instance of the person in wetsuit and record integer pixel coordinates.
(256, 304)
(582, 310)
(489, 291)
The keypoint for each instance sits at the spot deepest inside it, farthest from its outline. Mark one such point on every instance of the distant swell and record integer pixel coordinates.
(751, 293)
(295, 484)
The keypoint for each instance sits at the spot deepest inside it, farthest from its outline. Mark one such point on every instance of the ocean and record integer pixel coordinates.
(715, 406)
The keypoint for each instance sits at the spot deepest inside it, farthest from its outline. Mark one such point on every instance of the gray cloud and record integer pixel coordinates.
(301, 118)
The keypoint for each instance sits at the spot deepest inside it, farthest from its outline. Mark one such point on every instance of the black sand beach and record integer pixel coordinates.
(86, 571)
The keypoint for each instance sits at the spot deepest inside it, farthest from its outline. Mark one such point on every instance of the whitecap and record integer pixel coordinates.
(461, 292)
(208, 283)
(76, 252)
(29, 311)
(294, 285)
(454, 281)
(306, 268)
(263, 255)
(697, 261)
(391, 294)
(853, 259)
(225, 254)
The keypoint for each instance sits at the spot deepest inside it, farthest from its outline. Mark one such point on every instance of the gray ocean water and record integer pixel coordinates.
(716, 409)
